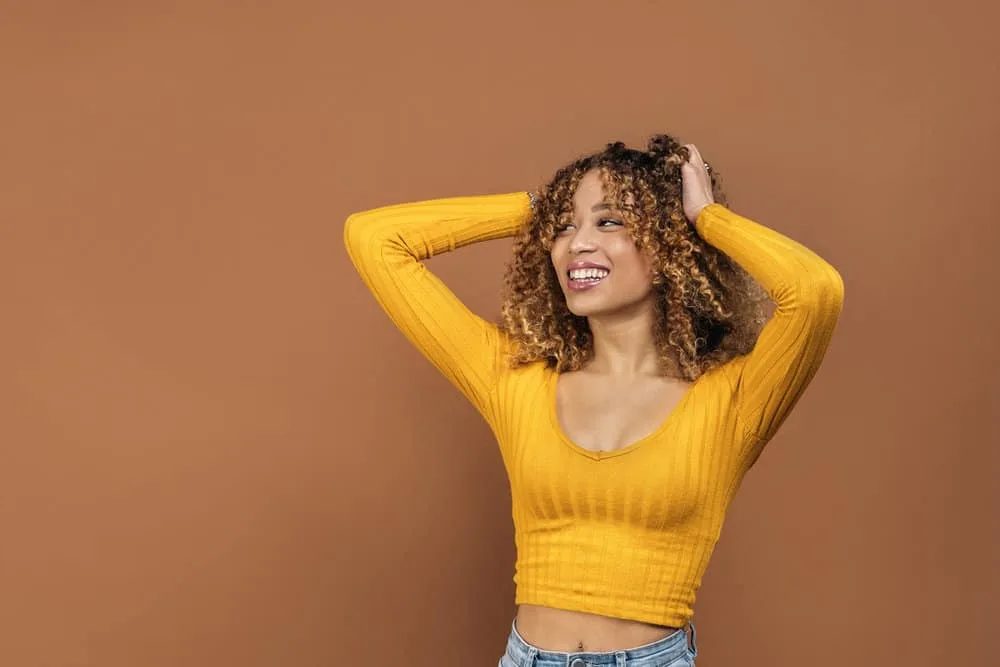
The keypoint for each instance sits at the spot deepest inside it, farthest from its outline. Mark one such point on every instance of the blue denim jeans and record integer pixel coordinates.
(674, 650)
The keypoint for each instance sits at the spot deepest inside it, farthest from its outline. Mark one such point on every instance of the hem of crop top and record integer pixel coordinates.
(620, 609)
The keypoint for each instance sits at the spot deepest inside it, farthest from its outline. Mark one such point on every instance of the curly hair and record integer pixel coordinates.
(708, 309)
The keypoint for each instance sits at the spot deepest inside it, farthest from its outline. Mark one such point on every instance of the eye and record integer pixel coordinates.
(609, 223)
(559, 229)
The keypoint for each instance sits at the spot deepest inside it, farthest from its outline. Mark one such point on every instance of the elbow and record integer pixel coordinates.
(833, 286)
(823, 293)
(355, 232)
(361, 236)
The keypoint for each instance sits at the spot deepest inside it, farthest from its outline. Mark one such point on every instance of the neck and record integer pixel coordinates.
(624, 344)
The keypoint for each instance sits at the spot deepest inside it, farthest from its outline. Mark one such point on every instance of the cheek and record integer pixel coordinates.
(630, 262)
(559, 251)
(557, 259)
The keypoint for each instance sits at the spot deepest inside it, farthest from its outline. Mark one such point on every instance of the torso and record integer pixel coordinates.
(601, 414)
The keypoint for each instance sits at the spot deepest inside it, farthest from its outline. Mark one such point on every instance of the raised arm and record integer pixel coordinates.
(388, 245)
(808, 293)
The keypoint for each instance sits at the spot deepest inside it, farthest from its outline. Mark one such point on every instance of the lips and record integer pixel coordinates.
(584, 276)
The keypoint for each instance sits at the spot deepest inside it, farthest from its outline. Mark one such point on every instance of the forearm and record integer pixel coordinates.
(387, 246)
(423, 229)
(808, 293)
(793, 275)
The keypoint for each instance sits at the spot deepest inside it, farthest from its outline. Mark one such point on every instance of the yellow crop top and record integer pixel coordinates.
(626, 533)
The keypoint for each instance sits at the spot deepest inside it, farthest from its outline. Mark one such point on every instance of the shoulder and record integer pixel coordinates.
(724, 377)
(513, 369)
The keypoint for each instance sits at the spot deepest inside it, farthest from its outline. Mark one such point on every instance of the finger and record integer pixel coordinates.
(696, 161)
(693, 155)
(707, 170)
(699, 161)
(699, 165)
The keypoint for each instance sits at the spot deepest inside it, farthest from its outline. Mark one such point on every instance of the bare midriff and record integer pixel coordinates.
(552, 629)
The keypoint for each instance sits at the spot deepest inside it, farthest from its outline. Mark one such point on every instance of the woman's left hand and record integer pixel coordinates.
(697, 184)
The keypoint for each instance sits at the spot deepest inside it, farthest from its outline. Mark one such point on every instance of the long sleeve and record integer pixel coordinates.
(808, 293)
(388, 245)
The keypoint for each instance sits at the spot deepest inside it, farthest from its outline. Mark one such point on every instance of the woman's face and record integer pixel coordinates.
(600, 270)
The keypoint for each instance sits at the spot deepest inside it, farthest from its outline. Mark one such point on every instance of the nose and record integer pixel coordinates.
(583, 241)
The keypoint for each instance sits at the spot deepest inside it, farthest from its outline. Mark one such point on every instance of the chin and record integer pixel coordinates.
(599, 305)
(588, 307)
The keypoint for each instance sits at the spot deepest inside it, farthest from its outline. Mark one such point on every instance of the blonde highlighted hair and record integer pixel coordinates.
(709, 310)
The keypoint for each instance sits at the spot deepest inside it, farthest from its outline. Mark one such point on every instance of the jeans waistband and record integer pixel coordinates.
(661, 652)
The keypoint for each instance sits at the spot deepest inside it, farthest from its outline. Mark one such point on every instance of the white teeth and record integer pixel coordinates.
(587, 274)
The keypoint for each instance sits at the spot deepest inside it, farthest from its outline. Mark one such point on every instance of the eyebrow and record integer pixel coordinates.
(603, 206)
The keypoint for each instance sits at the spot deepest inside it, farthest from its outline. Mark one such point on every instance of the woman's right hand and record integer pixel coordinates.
(697, 184)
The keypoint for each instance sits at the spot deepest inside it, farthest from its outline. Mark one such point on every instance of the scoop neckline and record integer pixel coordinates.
(597, 455)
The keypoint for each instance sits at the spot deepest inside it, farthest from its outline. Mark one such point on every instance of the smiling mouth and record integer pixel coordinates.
(583, 279)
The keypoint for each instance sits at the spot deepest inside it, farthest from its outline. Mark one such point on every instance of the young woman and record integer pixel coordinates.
(631, 384)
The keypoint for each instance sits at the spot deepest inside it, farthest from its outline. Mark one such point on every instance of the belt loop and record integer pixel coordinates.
(692, 640)
(620, 659)
(530, 658)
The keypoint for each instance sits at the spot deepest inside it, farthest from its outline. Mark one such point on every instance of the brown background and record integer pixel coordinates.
(216, 450)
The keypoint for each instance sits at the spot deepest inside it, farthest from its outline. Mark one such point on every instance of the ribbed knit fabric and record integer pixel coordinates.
(626, 533)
